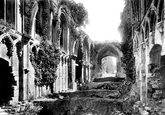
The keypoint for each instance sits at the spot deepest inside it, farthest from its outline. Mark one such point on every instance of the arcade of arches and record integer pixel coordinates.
(76, 66)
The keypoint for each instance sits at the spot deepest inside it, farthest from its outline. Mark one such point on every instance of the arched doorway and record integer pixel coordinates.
(7, 82)
(107, 57)
(109, 66)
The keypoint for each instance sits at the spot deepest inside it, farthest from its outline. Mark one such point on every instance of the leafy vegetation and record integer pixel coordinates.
(79, 17)
(78, 12)
(127, 42)
(46, 60)
(45, 63)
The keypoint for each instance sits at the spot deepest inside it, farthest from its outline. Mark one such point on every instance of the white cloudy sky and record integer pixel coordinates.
(104, 17)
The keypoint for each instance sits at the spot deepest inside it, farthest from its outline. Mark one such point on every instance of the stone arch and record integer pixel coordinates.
(10, 38)
(153, 19)
(63, 20)
(146, 31)
(112, 51)
(36, 20)
(147, 28)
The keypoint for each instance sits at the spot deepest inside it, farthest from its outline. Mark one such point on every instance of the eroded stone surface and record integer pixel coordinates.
(83, 106)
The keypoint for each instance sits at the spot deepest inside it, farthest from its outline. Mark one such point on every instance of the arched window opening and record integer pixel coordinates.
(161, 11)
(10, 11)
(53, 31)
(63, 36)
(152, 17)
(147, 31)
(7, 11)
(38, 21)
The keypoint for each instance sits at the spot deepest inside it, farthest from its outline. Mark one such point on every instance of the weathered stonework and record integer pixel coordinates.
(149, 45)
(58, 32)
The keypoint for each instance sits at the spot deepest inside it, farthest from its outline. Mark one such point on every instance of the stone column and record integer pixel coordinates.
(25, 84)
(63, 74)
(140, 72)
(146, 69)
(60, 77)
(82, 74)
(66, 74)
(58, 80)
(89, 72)
(18, 22)
(73, 75)
(21, 76)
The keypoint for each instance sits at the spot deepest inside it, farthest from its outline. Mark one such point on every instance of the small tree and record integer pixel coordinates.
(45, 63)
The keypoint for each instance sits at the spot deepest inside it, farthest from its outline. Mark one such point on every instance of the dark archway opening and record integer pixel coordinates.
(79, 72)
(7, 82)
(79, 65)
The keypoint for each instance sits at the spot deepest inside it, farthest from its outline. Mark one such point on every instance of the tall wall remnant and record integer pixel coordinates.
(149, 48)
(29, 20)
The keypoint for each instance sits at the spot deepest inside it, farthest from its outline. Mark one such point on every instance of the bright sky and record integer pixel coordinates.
(104, 19)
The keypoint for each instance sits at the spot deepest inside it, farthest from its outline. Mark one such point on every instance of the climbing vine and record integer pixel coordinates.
(45, 63)
(46, 60)
(127, 43)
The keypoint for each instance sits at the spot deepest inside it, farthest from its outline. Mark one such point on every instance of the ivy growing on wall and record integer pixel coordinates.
(78, 17)
(127, 43)
(45, 62)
